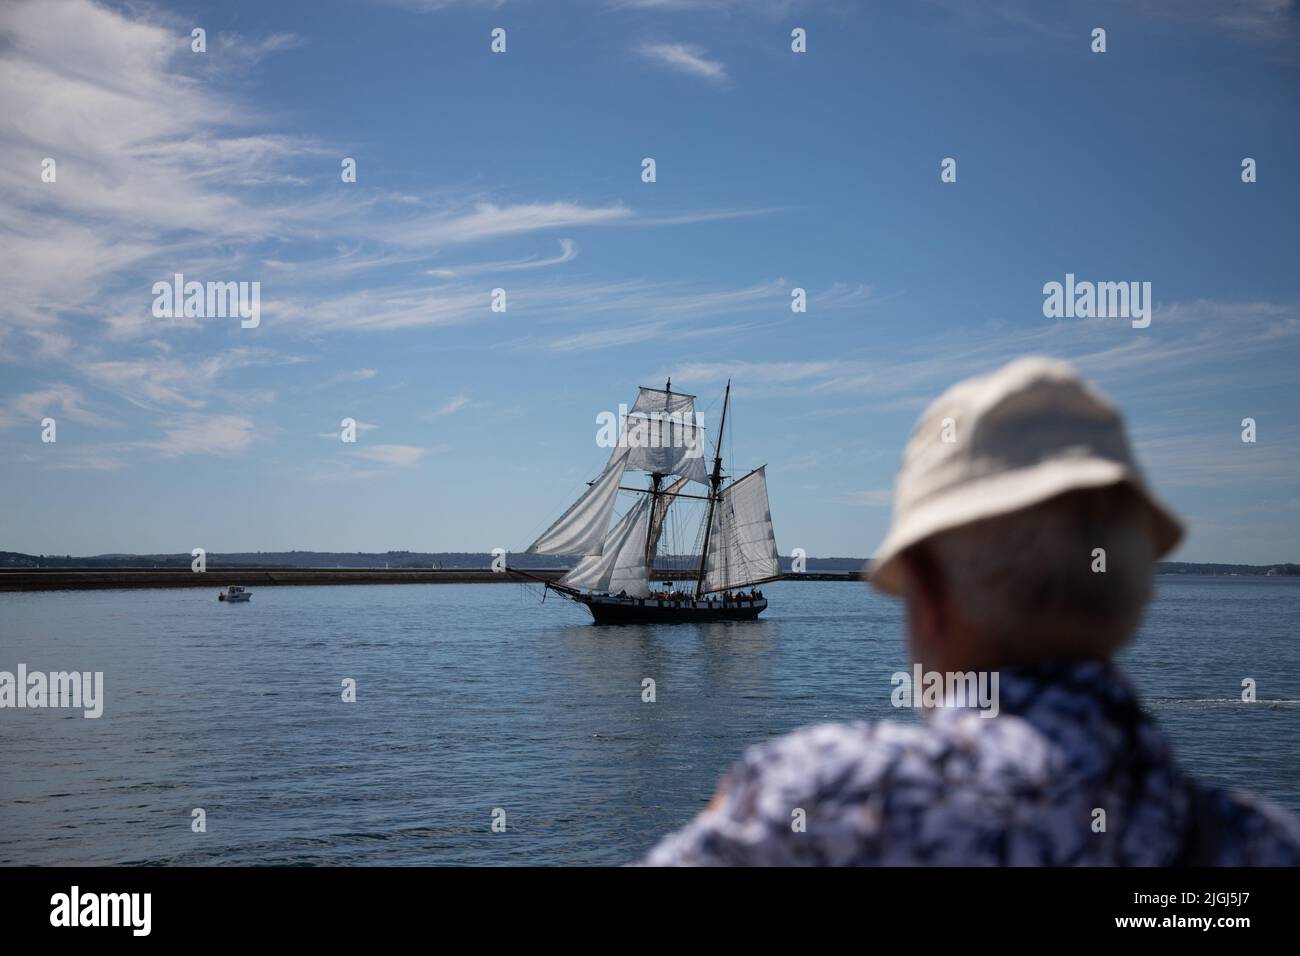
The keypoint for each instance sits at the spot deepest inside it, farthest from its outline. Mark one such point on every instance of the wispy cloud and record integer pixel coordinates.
(1186, 343)
(247, 51)
(673, 310)
(194, 434)
(135, 138)
(355, 375)
(165, 382)
(403, 456)
(491, 221)
(568, 252)
(685, 58)
(162, 167)
(56, 401)
(403, 306)
(1219, 459)
(452, 405)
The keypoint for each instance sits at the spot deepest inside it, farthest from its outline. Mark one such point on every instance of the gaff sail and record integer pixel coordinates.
(742, 544)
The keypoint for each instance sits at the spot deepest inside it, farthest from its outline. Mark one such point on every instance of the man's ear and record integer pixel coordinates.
(926, 593)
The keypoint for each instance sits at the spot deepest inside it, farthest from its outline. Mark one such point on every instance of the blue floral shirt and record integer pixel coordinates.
(1021, 788)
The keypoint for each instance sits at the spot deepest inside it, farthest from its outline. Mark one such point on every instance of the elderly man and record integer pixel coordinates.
(1023, 544)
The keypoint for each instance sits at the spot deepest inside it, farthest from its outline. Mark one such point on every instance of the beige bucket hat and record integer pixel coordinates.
(996, 444)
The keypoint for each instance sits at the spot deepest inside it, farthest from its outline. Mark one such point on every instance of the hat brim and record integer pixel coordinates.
(1008, 492)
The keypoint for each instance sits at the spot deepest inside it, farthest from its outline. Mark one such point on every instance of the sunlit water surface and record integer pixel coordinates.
(477, 697)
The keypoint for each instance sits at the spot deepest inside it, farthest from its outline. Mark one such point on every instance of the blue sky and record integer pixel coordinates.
(522, 170)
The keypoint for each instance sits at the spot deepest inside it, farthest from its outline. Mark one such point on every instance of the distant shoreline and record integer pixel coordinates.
(95, 579)
(477, 562)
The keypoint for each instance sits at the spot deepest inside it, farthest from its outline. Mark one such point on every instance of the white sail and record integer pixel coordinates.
(581, 529)
(742, 545)
(664, 436)
(674, 404)
(666, 447)
(621, 564)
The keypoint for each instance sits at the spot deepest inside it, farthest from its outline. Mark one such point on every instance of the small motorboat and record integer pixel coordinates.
(234, 594)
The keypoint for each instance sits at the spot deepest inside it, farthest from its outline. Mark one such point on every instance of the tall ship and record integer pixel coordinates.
(624, 574)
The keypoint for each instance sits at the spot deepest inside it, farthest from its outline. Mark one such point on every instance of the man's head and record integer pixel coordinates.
(1021, 586)
(1022, 526)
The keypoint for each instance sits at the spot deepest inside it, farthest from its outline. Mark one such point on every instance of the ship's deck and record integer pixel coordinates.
(612, 609)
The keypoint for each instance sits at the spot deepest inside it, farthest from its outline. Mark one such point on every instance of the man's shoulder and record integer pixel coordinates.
(832, 793)
(1256, 831)
(869, 753)
(834, 755)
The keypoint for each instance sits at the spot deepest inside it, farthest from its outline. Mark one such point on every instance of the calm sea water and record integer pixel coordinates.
(477, 697)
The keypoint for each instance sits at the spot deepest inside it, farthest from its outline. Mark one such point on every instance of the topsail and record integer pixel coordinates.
(664, 436)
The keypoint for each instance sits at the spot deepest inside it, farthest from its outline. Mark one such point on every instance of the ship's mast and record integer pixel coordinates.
(655, 479)
(716, 481)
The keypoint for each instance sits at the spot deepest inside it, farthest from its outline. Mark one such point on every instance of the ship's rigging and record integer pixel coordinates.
(662, 436)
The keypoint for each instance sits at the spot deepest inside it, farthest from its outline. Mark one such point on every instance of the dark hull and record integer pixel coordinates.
(612, 610)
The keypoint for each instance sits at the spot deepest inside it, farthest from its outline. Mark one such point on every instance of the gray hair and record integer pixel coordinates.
(1027, 579)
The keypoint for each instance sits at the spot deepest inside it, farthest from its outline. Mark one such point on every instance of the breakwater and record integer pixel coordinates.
(83, 579)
